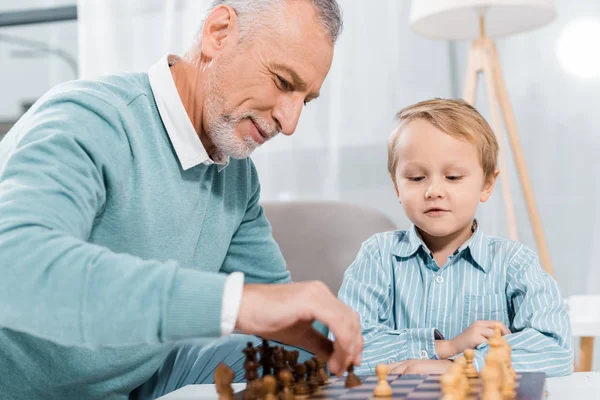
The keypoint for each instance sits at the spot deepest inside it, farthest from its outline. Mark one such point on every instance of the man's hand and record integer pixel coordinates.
(479, 332)
(286, 313)
(420, 367)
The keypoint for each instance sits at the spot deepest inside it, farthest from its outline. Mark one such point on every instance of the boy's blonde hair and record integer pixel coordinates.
(456, 118)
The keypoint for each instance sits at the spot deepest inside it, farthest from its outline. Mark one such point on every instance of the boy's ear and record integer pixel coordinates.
(396, 189)
(488, 187)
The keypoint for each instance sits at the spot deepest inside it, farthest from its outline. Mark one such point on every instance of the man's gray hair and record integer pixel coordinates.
(249, 12)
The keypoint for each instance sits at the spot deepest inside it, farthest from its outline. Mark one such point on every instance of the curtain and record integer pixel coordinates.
(339, 149)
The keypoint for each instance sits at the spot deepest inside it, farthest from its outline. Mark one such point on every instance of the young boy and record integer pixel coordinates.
(427, 294)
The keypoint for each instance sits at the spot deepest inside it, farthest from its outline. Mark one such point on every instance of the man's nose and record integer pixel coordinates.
(287, 113)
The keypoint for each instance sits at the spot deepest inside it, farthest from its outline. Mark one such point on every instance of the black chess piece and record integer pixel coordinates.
(301, 388)
(266, 354)
(250, 353)
(351, 379)
(311, 375)
(287, 383)
(293, 361)
(253, 384)
(321, 375)
(278, 361)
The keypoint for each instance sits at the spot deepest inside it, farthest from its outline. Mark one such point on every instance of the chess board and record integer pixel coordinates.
(530, 386)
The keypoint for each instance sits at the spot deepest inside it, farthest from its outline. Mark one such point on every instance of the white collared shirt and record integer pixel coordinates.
(191, 152)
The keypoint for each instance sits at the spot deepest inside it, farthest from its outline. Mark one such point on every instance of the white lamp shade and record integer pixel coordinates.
(459, 19)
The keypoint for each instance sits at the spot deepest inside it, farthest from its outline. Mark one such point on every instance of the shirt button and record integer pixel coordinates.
(424, 354)
(439, 279)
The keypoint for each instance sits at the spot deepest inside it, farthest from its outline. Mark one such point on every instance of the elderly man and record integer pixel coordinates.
(130, 218)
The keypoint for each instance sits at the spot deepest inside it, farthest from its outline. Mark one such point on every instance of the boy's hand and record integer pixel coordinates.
(479, 332)
(420, 367)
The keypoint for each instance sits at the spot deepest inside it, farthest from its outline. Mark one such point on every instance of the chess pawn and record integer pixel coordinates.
(223, 378)
(351, 379)
(269, 387)
(318, 374)
(285, 376)
(250, 353)
(253, 384)
(383, 388)
(321, 371)
(311, 375)
(301, 388)
(470, 371)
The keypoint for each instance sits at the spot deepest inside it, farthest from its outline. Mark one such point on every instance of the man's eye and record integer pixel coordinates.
(416, 178)
(454, 178)
(285, 85)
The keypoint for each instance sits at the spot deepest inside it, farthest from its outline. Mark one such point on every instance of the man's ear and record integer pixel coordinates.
(220, 29)
(488, 187)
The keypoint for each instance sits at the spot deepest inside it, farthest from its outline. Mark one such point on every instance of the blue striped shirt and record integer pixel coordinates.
(406, 302)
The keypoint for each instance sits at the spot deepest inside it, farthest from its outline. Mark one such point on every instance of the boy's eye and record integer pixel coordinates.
(416, 178)
(454, 177)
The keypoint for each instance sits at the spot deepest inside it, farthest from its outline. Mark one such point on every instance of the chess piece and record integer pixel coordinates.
(318, 375)
(285, 376)
(293, 362)
(223, 378)
(351, 379)
(266, 354)
(277, 361)
(449, 386)
(470, 371)
(508, 360)
(322, 376)
(269, 387)
(461, 382)
(383, 388)
(311, 375)
(301, 388)
(509, 375)
(253, 384)
(250, 353)
(490, 376)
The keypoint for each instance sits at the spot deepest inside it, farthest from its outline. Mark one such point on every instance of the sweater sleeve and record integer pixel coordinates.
(55, 284)
(253, 250)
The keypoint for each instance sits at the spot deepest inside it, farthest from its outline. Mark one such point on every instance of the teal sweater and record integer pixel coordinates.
(109, 251)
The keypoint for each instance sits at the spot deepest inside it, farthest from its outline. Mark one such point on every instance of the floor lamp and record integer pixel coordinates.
(481, 20)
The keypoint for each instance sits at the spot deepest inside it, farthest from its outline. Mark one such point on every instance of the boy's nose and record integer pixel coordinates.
(433, 192)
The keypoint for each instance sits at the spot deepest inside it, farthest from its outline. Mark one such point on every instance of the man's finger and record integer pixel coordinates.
(317, 343)
(345, 327)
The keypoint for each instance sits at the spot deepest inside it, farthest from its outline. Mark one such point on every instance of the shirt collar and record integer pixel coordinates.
(475, 248)
(181, 132)
(410, 243)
